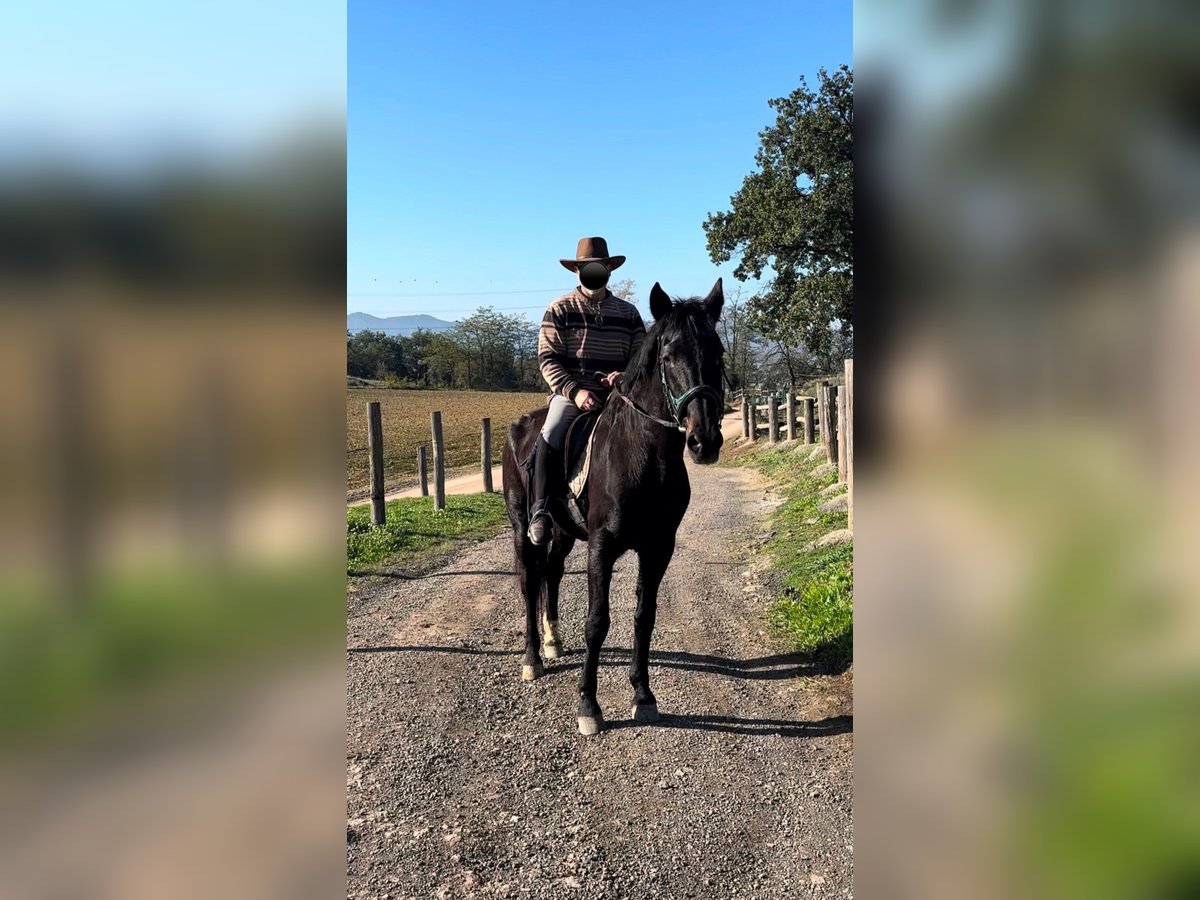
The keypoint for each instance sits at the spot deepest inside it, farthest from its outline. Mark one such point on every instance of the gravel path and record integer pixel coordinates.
(462, 781)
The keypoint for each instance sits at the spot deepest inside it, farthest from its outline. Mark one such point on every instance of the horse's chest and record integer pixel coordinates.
(655, 507)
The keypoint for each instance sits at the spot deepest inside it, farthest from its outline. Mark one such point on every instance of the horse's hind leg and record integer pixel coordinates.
(529, 564)
(551, 639)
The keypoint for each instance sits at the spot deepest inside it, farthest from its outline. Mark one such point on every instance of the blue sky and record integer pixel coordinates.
(91, 80)
(486, 139)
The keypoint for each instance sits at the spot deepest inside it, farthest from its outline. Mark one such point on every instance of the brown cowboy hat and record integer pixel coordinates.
(592, 249)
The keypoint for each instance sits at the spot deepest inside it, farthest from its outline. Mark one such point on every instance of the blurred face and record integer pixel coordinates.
(593, 275)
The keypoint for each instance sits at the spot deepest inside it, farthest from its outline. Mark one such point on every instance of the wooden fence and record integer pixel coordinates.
(437, 445)
(826, 417)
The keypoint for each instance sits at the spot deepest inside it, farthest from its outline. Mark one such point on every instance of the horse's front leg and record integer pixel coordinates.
(601, 556)
(652, 565)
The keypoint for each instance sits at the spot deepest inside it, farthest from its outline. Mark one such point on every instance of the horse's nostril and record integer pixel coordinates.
(693, 442)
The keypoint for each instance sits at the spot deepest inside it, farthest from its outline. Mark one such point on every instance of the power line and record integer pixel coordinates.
(541, 306)
(456, 309)
(458, 293)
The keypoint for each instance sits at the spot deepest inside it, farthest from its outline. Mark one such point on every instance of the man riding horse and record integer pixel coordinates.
(584, 333)
(669, 383)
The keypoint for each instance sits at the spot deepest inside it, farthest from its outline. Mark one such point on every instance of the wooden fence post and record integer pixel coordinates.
(832, 403)
(439, 461)
(841, 433)
(375, 451)
(791, 415)
(423, 471)
(810, 432)
(485, 450)
(745, 417)
(849, 438)
(754, 418)
(827, 413)
(823, 418)
(772, 418)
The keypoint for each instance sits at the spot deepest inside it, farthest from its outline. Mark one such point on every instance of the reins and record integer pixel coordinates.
(677, 404)
(666, 423)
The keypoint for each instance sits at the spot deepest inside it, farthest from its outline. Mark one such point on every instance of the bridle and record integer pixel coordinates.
(677, 404)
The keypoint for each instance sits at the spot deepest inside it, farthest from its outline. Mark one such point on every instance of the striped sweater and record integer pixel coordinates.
(580, 336)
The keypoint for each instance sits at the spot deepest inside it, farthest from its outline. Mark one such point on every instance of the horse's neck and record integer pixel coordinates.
(648, 394)
(651, 443)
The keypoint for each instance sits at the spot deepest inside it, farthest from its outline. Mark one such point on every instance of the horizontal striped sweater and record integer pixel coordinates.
(580, 336)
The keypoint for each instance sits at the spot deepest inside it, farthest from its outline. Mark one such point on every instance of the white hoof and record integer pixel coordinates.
(590, 725)
(532, 673)
(645, 712)
(552, 651)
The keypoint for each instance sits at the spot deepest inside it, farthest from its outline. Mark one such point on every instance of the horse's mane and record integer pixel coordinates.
(684, 312)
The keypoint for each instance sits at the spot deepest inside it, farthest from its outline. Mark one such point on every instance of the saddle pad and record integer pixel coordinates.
(579, 463)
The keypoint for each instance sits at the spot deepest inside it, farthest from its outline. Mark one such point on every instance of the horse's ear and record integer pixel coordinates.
(660, 303)
(714, 301)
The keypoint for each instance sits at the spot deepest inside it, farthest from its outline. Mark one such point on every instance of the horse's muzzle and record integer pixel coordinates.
(705, 450)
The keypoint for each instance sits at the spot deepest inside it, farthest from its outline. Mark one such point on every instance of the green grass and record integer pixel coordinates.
(814, 609)
(413, 528)
(146, 631)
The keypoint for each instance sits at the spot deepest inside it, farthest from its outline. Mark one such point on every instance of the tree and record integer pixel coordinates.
(795, 215)
(624, 289)
(418, 344)
(525, 349)
(442, 360)
(373, 354)
(487, 339)
(737, 337)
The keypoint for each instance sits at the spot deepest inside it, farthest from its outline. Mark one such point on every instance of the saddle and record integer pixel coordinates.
(577, 458)
(576, 463)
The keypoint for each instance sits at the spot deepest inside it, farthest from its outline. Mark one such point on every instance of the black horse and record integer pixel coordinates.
(669, 398)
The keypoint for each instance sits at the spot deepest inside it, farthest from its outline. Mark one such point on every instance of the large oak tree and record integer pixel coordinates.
(794, 215)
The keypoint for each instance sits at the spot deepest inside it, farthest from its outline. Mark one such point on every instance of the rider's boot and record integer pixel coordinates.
(540, 523)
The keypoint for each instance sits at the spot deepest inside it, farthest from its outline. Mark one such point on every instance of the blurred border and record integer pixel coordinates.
(1026, 663)
(172, 605)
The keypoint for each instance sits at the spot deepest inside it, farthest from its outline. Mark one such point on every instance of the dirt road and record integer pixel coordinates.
(465, 782)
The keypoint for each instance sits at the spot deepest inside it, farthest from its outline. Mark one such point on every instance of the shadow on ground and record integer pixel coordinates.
(404, 576)
(762, 668)
(732, 725)
(780, 665)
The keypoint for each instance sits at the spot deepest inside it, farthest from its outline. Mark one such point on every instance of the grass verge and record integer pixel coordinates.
(413, 528)
(813, 608)
(150, 632)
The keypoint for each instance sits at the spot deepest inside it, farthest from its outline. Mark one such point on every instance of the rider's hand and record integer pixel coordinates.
(586, 400)
(610, 380)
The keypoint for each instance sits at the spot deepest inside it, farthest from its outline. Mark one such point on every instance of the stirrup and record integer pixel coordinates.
(541, 526)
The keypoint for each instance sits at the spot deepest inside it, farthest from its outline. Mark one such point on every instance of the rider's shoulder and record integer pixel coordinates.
(624, 305)
(558, 304)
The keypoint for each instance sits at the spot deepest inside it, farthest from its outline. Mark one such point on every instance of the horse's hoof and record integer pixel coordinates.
(552, 651)
(644, 712)
(590, 725)
(533, 672)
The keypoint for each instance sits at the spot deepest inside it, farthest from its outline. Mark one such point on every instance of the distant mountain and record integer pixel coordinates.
(396, 325)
